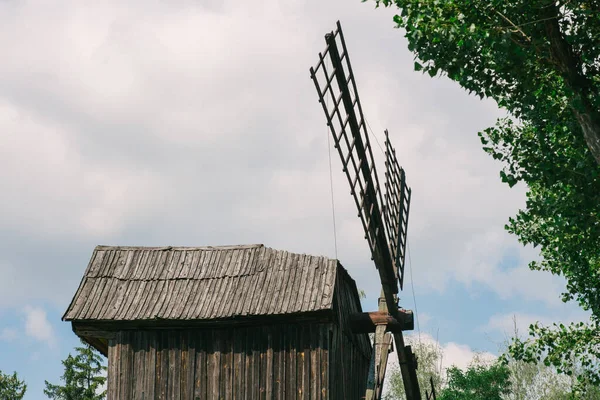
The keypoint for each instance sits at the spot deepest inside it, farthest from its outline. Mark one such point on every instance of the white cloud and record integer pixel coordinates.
(461, 355)
(484, 261)
(38, 327)
(457, 354)
(507, 323)
(197, 124)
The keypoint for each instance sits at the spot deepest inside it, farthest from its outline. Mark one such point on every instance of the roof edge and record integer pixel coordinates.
(166, 248)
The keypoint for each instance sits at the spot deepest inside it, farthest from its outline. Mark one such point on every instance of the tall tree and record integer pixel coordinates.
(540, 60)
(529, 55)
(83, 378)
(478, 382)
(429, 357)
(11, 387)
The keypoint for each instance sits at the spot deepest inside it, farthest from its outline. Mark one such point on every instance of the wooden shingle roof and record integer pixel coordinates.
(200, 283)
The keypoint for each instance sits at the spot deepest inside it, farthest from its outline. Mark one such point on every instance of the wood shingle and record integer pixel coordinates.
(199, 283)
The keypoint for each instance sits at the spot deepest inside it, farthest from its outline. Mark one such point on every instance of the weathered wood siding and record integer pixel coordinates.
(269, 362)
(349, 353)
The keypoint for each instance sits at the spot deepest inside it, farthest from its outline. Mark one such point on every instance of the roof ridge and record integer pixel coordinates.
(165, 248)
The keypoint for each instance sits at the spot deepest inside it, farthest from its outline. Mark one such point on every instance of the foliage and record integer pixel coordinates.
(540, 60)
(531, 56)
(478, 382)
(573, 350)
(429, 357)
(83, 378)
(537, 381)
(11, 388)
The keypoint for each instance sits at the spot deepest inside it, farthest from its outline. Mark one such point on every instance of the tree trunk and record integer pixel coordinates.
(591, 132)
(570, 66)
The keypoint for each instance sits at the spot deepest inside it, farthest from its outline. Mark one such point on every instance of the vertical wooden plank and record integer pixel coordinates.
(256, 347)
(238, 363)
(139, 365)
(187, 384)
(210, 365)
(157, 365)
(229, 361)
(163, 365)
(200, 374)
(306, 356)
(314, 362)
(174, 377)
(300, 363)
(262, 356)
(119, 351)
(112, 370)
(283, 362)
(248, 365)
(215, 365)
(276, 348)
(150, 366)
(290, 368)
(269, 364)
(324, 360)
(333, 365)
(125, 384)
(183, 363)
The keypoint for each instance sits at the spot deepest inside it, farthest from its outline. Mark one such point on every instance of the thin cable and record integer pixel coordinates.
(374, 136)
(412, 285)
(331, 187)
(332, 197)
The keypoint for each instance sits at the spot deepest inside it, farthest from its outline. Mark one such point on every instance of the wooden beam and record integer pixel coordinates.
(367, 322)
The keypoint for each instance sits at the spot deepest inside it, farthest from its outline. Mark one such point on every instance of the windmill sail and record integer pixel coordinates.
(384, 222)
(336, 84)
(397, 200)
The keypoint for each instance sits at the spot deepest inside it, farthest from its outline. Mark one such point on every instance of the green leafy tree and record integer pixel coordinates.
(429, 356)
(540, 61)
(83, 378)
(11, 388)
(478, 382)
(531, 56)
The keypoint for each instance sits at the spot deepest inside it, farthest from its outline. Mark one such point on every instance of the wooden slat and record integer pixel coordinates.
(226, 365)
(139, 364)
(269, 363)
(126, 367)
(255, 347)
(138, 283)
(162, 389)
(200, 383)
(238, 363)
(314, 362)
(289, 281)
(113, 370)
(149, 384)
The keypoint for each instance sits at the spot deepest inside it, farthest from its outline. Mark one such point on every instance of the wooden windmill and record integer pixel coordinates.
(384, 217)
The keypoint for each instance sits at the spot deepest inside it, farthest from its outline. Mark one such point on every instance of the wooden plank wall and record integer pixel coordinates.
(350, 353)
(267, 362)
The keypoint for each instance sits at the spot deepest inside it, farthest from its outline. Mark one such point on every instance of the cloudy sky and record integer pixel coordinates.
(196, 123)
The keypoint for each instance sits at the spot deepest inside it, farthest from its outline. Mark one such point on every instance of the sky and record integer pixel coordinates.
(195, 123)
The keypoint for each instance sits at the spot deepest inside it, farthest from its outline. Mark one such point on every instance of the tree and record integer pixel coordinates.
(11, 388)
(529, 55)
(83, 378)
(537, 381)
(478, 382)
(429, 357)
(539, 60)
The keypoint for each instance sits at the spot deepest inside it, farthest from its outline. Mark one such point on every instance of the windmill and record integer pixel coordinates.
(384, 217)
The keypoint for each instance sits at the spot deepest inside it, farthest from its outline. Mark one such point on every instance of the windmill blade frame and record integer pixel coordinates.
(356, 154)
(397, 200)
(385, 223)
